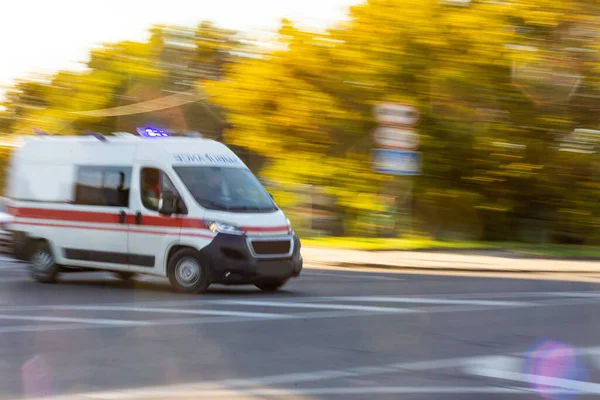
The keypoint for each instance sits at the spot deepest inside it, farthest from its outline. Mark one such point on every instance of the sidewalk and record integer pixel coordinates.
(475, 261)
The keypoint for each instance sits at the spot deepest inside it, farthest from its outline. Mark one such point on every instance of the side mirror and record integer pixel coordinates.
(167, 204)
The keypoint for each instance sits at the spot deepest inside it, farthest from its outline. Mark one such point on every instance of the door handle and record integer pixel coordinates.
(138, 218)
(122, 216)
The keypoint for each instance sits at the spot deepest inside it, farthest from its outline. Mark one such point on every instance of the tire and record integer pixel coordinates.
(43, 267)
(125, 276)
(271, 286)
(186, 273)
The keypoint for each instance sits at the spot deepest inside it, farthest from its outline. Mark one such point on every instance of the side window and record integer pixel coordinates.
(153, 182)
(103, 186)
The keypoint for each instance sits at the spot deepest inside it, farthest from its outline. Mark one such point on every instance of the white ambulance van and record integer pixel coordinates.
(185, 208)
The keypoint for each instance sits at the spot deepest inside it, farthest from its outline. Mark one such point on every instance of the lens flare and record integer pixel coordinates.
(550, 361)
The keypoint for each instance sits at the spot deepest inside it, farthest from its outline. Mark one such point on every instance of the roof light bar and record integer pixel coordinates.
(150, 132)
(98, 136)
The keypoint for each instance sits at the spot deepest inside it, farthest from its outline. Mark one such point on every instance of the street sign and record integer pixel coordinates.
(396, 138)
(396, 113)
(395, 162)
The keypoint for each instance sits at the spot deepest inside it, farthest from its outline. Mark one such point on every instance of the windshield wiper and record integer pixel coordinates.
(217, 206)
(251, 208)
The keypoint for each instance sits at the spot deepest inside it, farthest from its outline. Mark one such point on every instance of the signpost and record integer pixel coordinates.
(396, 162)
(396, 114)
(396, 138)
(397, 143)
(395, 132)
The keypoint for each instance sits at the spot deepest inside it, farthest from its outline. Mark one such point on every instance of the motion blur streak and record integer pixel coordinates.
(505, 91)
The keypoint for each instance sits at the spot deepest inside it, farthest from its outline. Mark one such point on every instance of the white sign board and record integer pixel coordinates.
(396, 138)
(396, 113)
(394, 162)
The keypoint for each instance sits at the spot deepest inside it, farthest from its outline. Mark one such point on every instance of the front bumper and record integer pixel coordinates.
(230, 261)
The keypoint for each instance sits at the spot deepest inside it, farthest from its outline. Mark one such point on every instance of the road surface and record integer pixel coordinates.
(328, 335)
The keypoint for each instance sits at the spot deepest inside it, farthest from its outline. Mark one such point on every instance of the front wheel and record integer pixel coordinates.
(270, 286)
(186, 273)
(43, 267)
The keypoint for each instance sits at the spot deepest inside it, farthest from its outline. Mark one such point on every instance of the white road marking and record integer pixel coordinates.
(428, 300)
(41, 318)
(228, 316)
(256, 386)
(444, 298)
(502, 295)
(172, 391)
(248, 394)
(167, 311)
(283, 304)
(578, 386)
(353, 276)
(41, 328)
(152, 307)
(577, 294)
(505, 363)
(508, 368)
(191, 321)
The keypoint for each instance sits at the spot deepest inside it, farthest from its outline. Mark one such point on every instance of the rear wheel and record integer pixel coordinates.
(270, 286)
(186, 273)
(126, 276)
(43, 267)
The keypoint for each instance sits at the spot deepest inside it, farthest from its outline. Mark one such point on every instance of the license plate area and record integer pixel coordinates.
(271, 247)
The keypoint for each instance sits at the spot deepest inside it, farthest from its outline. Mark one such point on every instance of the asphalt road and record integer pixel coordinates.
(327, 335)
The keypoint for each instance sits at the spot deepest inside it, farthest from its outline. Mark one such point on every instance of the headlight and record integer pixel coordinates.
(290, 229)
(221, 227)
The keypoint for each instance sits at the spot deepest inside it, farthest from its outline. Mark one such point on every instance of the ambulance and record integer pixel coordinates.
(186, 208)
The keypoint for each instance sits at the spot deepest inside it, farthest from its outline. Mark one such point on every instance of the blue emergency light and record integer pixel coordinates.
(150, 132)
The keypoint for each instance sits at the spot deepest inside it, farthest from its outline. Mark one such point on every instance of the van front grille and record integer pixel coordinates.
(271, 247)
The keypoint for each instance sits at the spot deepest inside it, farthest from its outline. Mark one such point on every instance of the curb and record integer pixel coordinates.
(446, 268)
(511, 254)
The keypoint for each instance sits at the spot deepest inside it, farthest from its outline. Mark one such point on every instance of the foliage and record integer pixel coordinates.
(491, 166)
(497, 83)
(172, 60)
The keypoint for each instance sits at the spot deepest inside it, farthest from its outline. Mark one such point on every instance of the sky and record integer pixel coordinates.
(49, 35)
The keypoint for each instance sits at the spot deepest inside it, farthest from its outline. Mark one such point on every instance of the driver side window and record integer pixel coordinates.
(153, 182)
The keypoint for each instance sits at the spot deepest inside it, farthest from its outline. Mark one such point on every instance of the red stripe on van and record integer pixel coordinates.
(103, 217)
(149, 232)
(66, 215)
(113, 218)
(193, 223)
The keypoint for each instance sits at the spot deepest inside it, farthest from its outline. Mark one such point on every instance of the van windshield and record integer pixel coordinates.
(226, 188)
